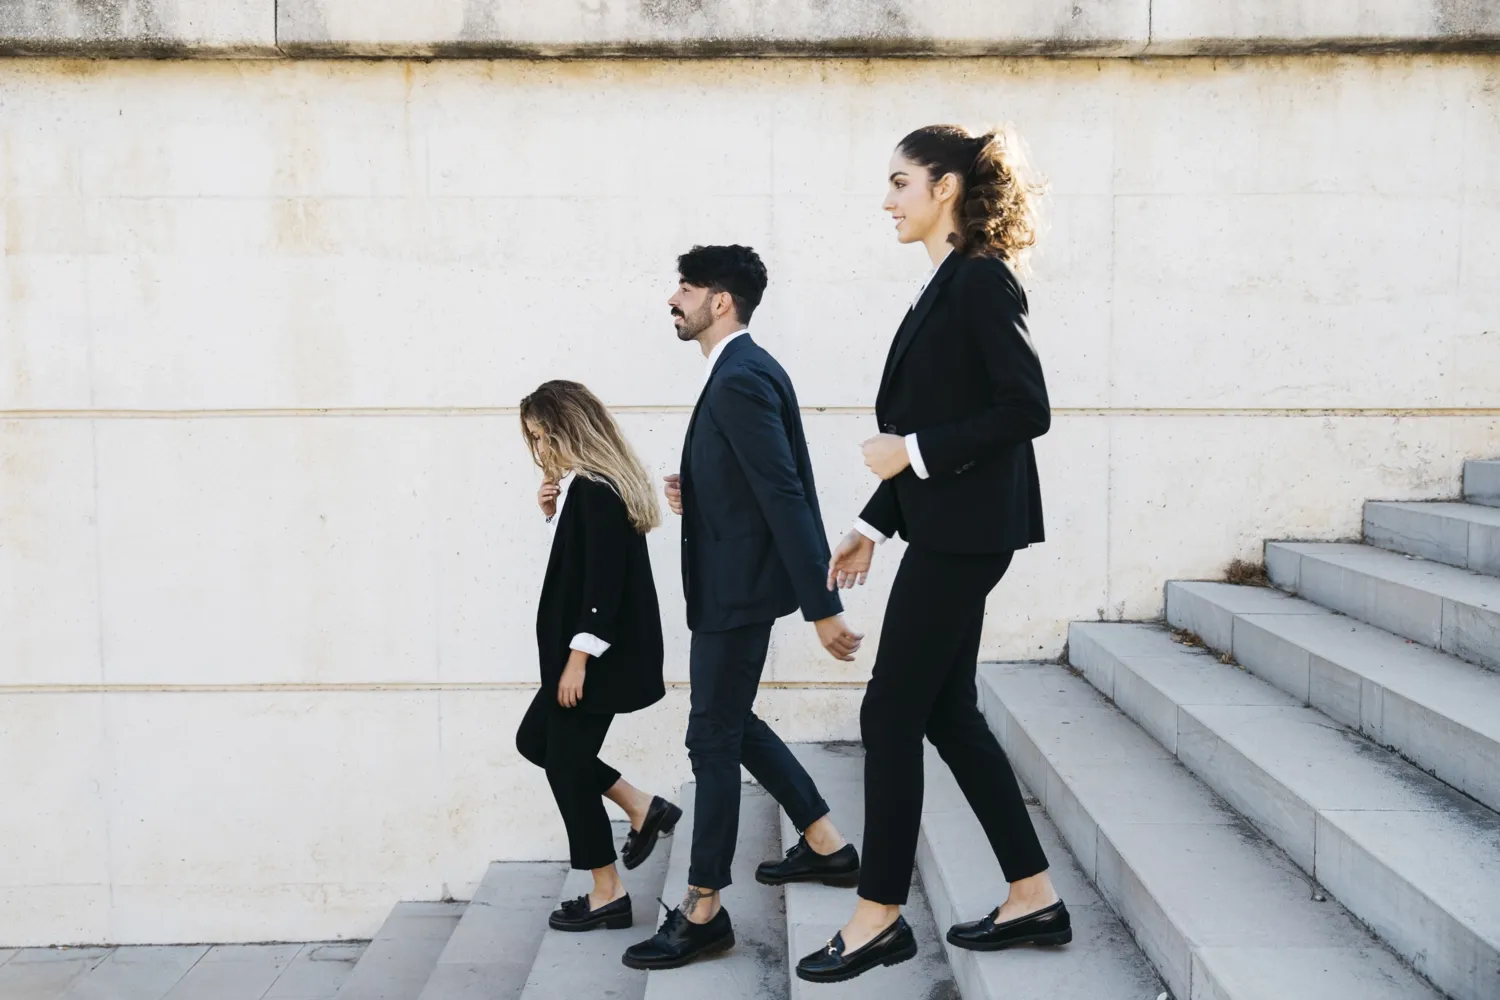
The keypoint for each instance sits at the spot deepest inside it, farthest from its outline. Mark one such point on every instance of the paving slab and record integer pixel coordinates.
(489, 953)
(1407, 854)
(318, 972)
(137, 973)
(1465, 535)
(1196, 887)
(964, 881)
(398, 963)
(1436, 710)
(46, 973)
(756, 965)
(1447, 608)
(235, 972)
(588, 964)
(815, 912)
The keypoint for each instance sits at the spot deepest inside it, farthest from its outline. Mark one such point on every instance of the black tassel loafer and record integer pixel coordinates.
(575, 915)
(680, 941)
(803, 864)
(661, 819)
(891, 946)
(1051, 926)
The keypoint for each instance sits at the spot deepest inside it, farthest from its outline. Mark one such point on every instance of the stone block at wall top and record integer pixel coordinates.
(203, 28)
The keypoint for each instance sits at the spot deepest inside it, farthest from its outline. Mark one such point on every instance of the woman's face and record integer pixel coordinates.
(540, 438)
(918, 206)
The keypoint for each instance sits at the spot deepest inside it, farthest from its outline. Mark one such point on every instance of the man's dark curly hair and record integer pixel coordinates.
(734, 269)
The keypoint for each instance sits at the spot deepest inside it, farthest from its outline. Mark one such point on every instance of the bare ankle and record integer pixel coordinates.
(823, 837)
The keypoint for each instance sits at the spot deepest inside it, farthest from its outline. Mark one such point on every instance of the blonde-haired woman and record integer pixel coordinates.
(598, 632)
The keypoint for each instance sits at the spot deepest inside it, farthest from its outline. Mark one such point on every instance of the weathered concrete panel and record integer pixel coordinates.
(136, 28)
(1195, 27)
(711, 27)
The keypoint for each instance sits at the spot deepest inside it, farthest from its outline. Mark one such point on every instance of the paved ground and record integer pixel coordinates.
(189, 972)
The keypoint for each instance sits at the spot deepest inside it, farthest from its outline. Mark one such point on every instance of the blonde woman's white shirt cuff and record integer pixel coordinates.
(864, 529)
(590, 644)
(915, 455)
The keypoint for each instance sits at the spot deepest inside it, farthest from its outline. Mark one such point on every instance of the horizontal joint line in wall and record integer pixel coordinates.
(414, 686)
(510, 411)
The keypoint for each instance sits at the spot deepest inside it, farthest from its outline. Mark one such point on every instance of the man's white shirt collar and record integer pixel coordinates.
(713, 355)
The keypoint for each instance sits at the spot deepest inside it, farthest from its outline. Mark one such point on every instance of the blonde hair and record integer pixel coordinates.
(997, 207)
(582, 437)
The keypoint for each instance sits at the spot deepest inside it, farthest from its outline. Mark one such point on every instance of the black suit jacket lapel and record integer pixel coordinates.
(739, 344)
(912, 324)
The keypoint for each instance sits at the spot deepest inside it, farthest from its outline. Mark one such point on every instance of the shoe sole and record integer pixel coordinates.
(904, 955)
(668, 824)
(619, 922)
(845, 881)
(1045, 940)
(723, 944)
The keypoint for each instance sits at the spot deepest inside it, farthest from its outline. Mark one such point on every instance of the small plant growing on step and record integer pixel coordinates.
(1247, 574)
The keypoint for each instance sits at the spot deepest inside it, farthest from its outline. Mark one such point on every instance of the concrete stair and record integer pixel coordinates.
(1414, 859)
(1465, 535)
(963, 881)
(756, 966)
(588, 964)
(1220, 911)
(401, 958)
(1447, 608)
(1437, 711)
(815, 912)
(490, 952)
(1482, 482)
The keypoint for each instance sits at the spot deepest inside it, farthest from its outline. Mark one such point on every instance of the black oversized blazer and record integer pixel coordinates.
(599, 581)
(753, 545)
(963, 375)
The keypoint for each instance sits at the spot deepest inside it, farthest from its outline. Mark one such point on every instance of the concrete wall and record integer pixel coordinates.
(268, 549)
(674, 28)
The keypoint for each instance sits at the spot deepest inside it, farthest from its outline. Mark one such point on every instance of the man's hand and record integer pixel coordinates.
(850, 564)
(674, 493)
(570, 688)
(885, 455)
(836, 637)
(546, 497)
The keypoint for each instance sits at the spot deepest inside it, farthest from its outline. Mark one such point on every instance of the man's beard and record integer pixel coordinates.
(693, 325)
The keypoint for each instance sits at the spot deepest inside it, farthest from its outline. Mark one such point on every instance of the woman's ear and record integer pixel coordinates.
(946, 189)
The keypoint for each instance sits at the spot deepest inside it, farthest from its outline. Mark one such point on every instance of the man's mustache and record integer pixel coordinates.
(678, 313)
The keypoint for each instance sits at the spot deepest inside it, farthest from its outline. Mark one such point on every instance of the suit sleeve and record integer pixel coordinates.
(883, 512)
(993, 312)
(606, 540)
(748, 412)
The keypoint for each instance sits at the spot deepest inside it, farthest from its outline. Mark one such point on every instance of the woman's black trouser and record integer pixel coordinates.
(923, 684)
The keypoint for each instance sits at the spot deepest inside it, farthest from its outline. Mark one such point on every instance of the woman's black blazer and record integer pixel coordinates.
(962, 374)
(599, 581)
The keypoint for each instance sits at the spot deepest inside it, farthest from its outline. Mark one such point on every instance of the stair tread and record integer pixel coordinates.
(1209, 899)
(401, 958)
(815, 912)
(490, 951)
(1463, 692)
(584, 964)
(964, 882)
(1465, 535)
(756, 965)
(1448, 582)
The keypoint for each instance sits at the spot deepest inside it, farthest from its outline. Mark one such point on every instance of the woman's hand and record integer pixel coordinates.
(885, 455)
(673, 490)
(850, 564)
(546, 497)
(570, 688)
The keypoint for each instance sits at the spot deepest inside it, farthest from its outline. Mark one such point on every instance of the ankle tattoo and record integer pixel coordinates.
(695, 896)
